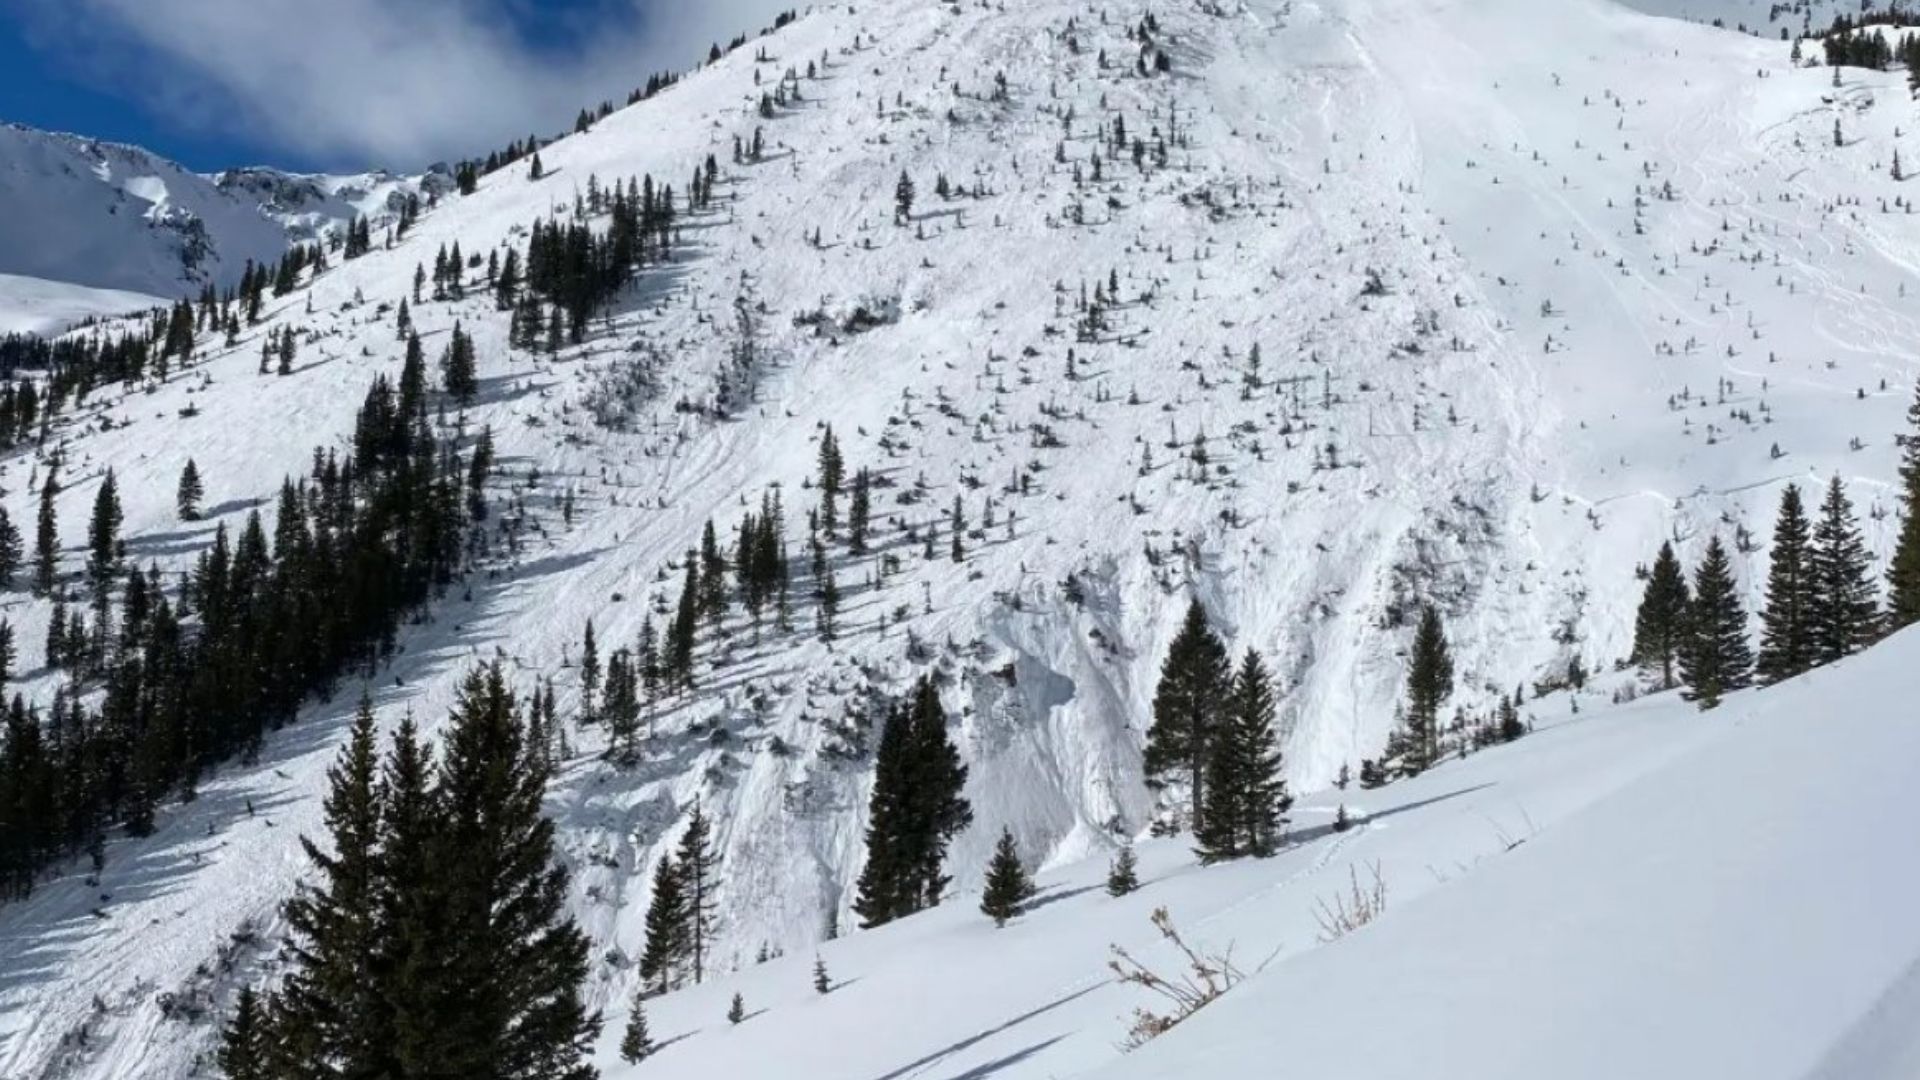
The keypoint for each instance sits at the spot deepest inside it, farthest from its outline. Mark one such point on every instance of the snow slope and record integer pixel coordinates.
(1635, 891)
(111, 216)
(1564, 362)
(33, 306)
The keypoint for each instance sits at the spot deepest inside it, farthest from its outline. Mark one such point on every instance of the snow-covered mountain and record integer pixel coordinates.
(107, 216)
(1532, 288)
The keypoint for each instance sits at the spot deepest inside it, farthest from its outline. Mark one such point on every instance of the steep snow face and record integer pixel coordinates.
(1521, 313)
(110, 216)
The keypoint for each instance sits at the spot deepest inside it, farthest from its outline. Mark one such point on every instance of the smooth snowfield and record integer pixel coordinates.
(32, 306)
(1642, 891)
(1564, 362)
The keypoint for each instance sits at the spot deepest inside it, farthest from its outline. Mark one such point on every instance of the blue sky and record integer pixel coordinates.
(339, 84)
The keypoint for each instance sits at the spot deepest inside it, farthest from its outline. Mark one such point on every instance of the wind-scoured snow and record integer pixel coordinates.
(1535, 287)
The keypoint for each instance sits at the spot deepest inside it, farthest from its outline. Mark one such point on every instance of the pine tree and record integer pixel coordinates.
(1123, 876)
(622, 708)
(666, 928)
(698, 867)
(1187, 706)
(832, 472)
(1510, 727)
(1786, 636)
(1008, 885)
(903, 199)
(915, 810)
(1245, 796)
(191, 491)
(589, 673)
(1842, 615)
(244, 1053)
(1660, 627)
(331, 1012)
(509, 1004)
(737, 1011)
(1903, 574)
(1429, 684)
(1716, 659)
(635, 1043)
(103, 538)
(821, 983)
(859, 510)
(10, 550)
(46, 545)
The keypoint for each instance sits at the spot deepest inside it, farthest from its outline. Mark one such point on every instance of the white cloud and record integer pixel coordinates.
(378, 82)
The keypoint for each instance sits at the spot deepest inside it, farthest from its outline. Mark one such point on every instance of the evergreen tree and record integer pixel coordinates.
(1660, 627)
(190, 492)
(821, 983)
(589, 673)
(1842, 615)
(737, 1010)
(1903, 574)
(1245, 795)
(1786, 636)
(458, 367)
(1008, 885)
(103, 538)
(1123, 876)
(1717, 658)
(915, 810)
(9, 550)
(1429, 684)
(832, 473)
(636, 1045)
(1187, 707)
(46, 544)
(698, 867)
(331, 1013)
(244, 1048)
(1511, 727)
(666, 929)
(903, 199)
(859, 510)
(509, 1005)
(622, 707)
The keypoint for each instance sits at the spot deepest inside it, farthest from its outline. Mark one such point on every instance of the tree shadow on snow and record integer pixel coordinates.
(916, 1065)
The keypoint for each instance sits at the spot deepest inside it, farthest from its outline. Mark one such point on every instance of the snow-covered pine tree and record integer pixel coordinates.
(737, 1009)
(821, 982)
(1008, 885)
(1660, 626)
(1716, 659)
(1786, 635)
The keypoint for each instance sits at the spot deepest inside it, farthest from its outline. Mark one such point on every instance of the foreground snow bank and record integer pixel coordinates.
(1746, 911)
(1643, 890)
